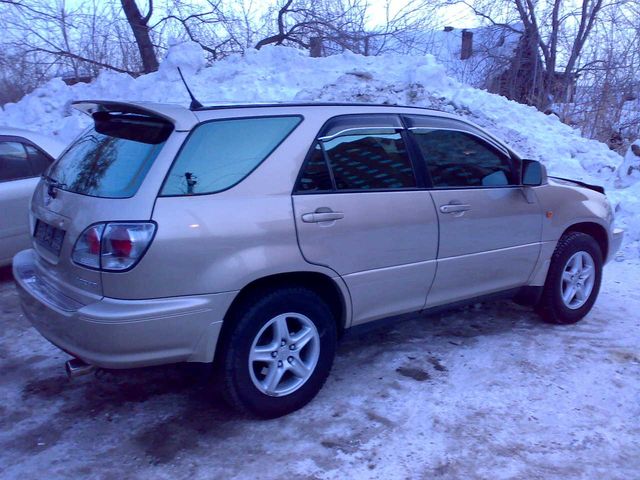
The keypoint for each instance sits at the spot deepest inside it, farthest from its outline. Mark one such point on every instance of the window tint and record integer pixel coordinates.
(13, 162)
(370, 161)
(107, 166)
(219, 154)
(458, 159)
(315, 176)
(39, 161)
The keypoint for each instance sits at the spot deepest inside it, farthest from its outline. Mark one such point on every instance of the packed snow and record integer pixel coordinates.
(482, 392)
(284, 74)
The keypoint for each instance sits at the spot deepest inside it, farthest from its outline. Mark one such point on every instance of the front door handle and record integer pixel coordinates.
(322, 215)
(454, 208)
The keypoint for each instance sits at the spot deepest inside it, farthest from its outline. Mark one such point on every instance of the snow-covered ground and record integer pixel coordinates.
(483, 392)
(279, 73)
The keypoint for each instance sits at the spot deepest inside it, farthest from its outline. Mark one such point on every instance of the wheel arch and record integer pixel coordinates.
(328, 288)
(595, 230)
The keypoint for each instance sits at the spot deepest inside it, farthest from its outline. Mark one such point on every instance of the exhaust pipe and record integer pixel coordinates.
(76, 368)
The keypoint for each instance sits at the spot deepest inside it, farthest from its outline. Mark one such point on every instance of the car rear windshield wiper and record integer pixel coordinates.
(53, 185)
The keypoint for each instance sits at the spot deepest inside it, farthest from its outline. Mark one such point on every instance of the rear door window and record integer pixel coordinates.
(376, 161)
(112, 158)
(220, 153)
(315, 175)
(14, 163)
(39, 160)
(363, 152)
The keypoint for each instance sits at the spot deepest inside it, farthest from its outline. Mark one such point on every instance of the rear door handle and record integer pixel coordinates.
(453, 208)
(320, 216)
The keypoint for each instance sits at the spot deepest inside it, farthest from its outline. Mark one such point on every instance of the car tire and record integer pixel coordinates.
(573, 280)
(264, 372)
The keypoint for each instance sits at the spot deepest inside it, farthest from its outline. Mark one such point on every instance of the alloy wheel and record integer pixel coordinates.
(578, 278)
(284, 354)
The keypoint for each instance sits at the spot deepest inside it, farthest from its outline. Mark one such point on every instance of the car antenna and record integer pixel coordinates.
(195, 104)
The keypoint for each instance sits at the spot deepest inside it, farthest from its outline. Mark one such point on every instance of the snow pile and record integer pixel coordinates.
(481, 67)
(187, 56)
(629, 170)
(279, 73)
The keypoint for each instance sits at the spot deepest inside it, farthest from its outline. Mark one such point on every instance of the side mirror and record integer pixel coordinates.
(533, 173)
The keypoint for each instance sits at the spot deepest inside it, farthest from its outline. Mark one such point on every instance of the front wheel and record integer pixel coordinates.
(280, 352)
(573, 281)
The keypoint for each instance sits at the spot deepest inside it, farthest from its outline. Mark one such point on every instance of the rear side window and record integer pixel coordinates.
(315, 176)
(219, 154)
(111, 159)
(369, 162)
(459, 159)
(13, 162)
(39, 161)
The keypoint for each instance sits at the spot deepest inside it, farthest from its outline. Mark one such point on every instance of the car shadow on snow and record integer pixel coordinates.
(175, 403)
(455, 326)
(161, 413)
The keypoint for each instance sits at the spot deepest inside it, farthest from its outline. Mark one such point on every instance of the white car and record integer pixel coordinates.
(24, 156)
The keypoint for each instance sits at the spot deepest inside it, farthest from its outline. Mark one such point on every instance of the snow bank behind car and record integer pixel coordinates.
(285, 74)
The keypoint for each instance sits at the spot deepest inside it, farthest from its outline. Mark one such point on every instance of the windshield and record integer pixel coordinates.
(111, 158)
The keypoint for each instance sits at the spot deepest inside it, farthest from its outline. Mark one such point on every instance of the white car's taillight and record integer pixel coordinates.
(113, 246)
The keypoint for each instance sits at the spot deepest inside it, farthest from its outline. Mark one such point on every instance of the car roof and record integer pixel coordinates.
(49, 144)
(184, 119)
(275, 104)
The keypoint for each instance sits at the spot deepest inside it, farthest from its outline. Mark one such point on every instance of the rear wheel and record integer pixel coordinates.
(279, 353)
(573, 281)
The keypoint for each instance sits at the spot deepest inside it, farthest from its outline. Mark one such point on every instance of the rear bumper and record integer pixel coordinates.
(113, 333)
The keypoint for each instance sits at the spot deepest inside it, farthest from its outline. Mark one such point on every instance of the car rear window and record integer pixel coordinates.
(111, 159)
(219, 154)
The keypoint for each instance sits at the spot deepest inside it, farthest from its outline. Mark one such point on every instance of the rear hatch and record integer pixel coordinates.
(111, 172)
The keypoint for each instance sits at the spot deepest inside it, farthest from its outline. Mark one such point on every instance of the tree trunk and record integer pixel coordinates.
(141, 32)
(315, 46)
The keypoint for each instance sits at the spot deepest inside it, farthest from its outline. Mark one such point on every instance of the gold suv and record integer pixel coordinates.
(251, 236)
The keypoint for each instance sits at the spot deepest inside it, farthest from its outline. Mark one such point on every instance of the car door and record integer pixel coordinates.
(490, 226)
(360, 210)
(20, 166)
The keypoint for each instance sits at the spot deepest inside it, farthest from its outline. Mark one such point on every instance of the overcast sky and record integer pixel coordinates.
(458, 15)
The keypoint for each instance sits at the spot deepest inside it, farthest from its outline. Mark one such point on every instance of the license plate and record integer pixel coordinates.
(49, 237)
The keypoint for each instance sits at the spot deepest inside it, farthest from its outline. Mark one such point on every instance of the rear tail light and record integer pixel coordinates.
(123, 244)
(86, 251)
(113, 246)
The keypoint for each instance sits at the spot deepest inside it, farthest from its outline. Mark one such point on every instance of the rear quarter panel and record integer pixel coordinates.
(223, 241)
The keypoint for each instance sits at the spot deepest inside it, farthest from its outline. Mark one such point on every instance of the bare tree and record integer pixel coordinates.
(342, 25)
(220, 29)
(299, 21)
(141, 31)
(606, 105)
(67, 41)
(554, 34)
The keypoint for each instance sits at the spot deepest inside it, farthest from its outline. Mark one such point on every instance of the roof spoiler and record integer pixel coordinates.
(181, 118)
